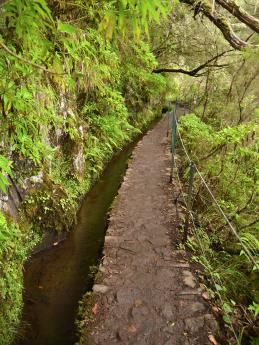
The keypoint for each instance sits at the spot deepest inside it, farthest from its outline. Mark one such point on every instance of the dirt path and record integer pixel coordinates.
(146, 291)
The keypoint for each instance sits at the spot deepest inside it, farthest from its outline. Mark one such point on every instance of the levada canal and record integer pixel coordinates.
(56, 279)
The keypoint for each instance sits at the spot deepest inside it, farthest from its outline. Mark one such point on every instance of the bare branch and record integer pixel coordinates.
(219, 21)
(241, 14)
(194, 72)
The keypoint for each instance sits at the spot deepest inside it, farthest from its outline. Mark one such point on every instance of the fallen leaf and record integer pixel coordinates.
(205, 295)
(95, 309)
(212, 340)
(132, 329)
(216, 309)
(138, 302)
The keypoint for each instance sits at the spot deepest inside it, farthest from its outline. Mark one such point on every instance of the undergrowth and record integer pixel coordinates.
(227, 158)
(70, 99)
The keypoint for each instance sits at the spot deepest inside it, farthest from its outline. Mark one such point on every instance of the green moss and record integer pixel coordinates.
(85, 317)
(99, 98)
(15, 242)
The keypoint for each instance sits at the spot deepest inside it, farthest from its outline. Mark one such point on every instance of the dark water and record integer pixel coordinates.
(56, 279)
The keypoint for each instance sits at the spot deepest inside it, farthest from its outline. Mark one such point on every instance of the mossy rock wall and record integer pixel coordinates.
(60, 128)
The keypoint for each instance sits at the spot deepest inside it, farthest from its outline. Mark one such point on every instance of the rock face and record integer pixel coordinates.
(146, 292)
(79, 162)
(27, 177)
(26, 174)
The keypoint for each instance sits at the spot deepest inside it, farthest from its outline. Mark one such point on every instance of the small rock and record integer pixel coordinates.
(3, 197)
(37, 178)
(189, 279)
(102, 269)
(100, 288)
(189, 292)
(111, 239)
(181, 265)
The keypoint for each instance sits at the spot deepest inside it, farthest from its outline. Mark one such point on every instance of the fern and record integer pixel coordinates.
(136, 14)
(5, 168)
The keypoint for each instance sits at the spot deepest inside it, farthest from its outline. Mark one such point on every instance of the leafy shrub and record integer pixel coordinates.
(228, 159)
(14, 245)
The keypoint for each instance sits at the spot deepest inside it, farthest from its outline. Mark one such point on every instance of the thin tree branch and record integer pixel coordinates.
(9, 51)
(194, 71)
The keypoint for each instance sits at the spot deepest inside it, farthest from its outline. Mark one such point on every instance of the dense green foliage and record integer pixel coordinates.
(220, 136)
(15, 242)
(69, 100)
(228, 159)
(76, 85)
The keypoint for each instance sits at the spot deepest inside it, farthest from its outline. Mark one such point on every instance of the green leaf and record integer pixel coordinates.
(66, 28)
(227, 319)
(227, 308)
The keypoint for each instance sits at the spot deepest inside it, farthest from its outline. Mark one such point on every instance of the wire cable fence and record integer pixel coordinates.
(194, 169)
(190, 219)
(216, 280)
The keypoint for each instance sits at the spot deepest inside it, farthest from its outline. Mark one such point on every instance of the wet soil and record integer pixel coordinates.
(146, 292)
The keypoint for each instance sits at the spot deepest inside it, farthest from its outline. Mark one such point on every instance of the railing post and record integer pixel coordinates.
(169, 105)
(189, 200)
(174, 133)
(169, 114)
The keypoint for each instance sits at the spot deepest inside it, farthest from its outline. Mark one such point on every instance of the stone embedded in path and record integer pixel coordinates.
(152, 296)
(100, 288)
(188, 292)
(189, 279)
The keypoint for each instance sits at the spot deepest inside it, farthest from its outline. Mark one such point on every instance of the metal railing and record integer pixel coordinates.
(193, 168)
(189, 215)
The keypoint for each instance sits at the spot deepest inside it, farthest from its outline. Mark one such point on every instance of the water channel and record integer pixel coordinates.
(56, 279)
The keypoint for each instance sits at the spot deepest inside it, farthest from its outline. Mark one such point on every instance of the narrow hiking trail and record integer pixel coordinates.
(146, 293)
